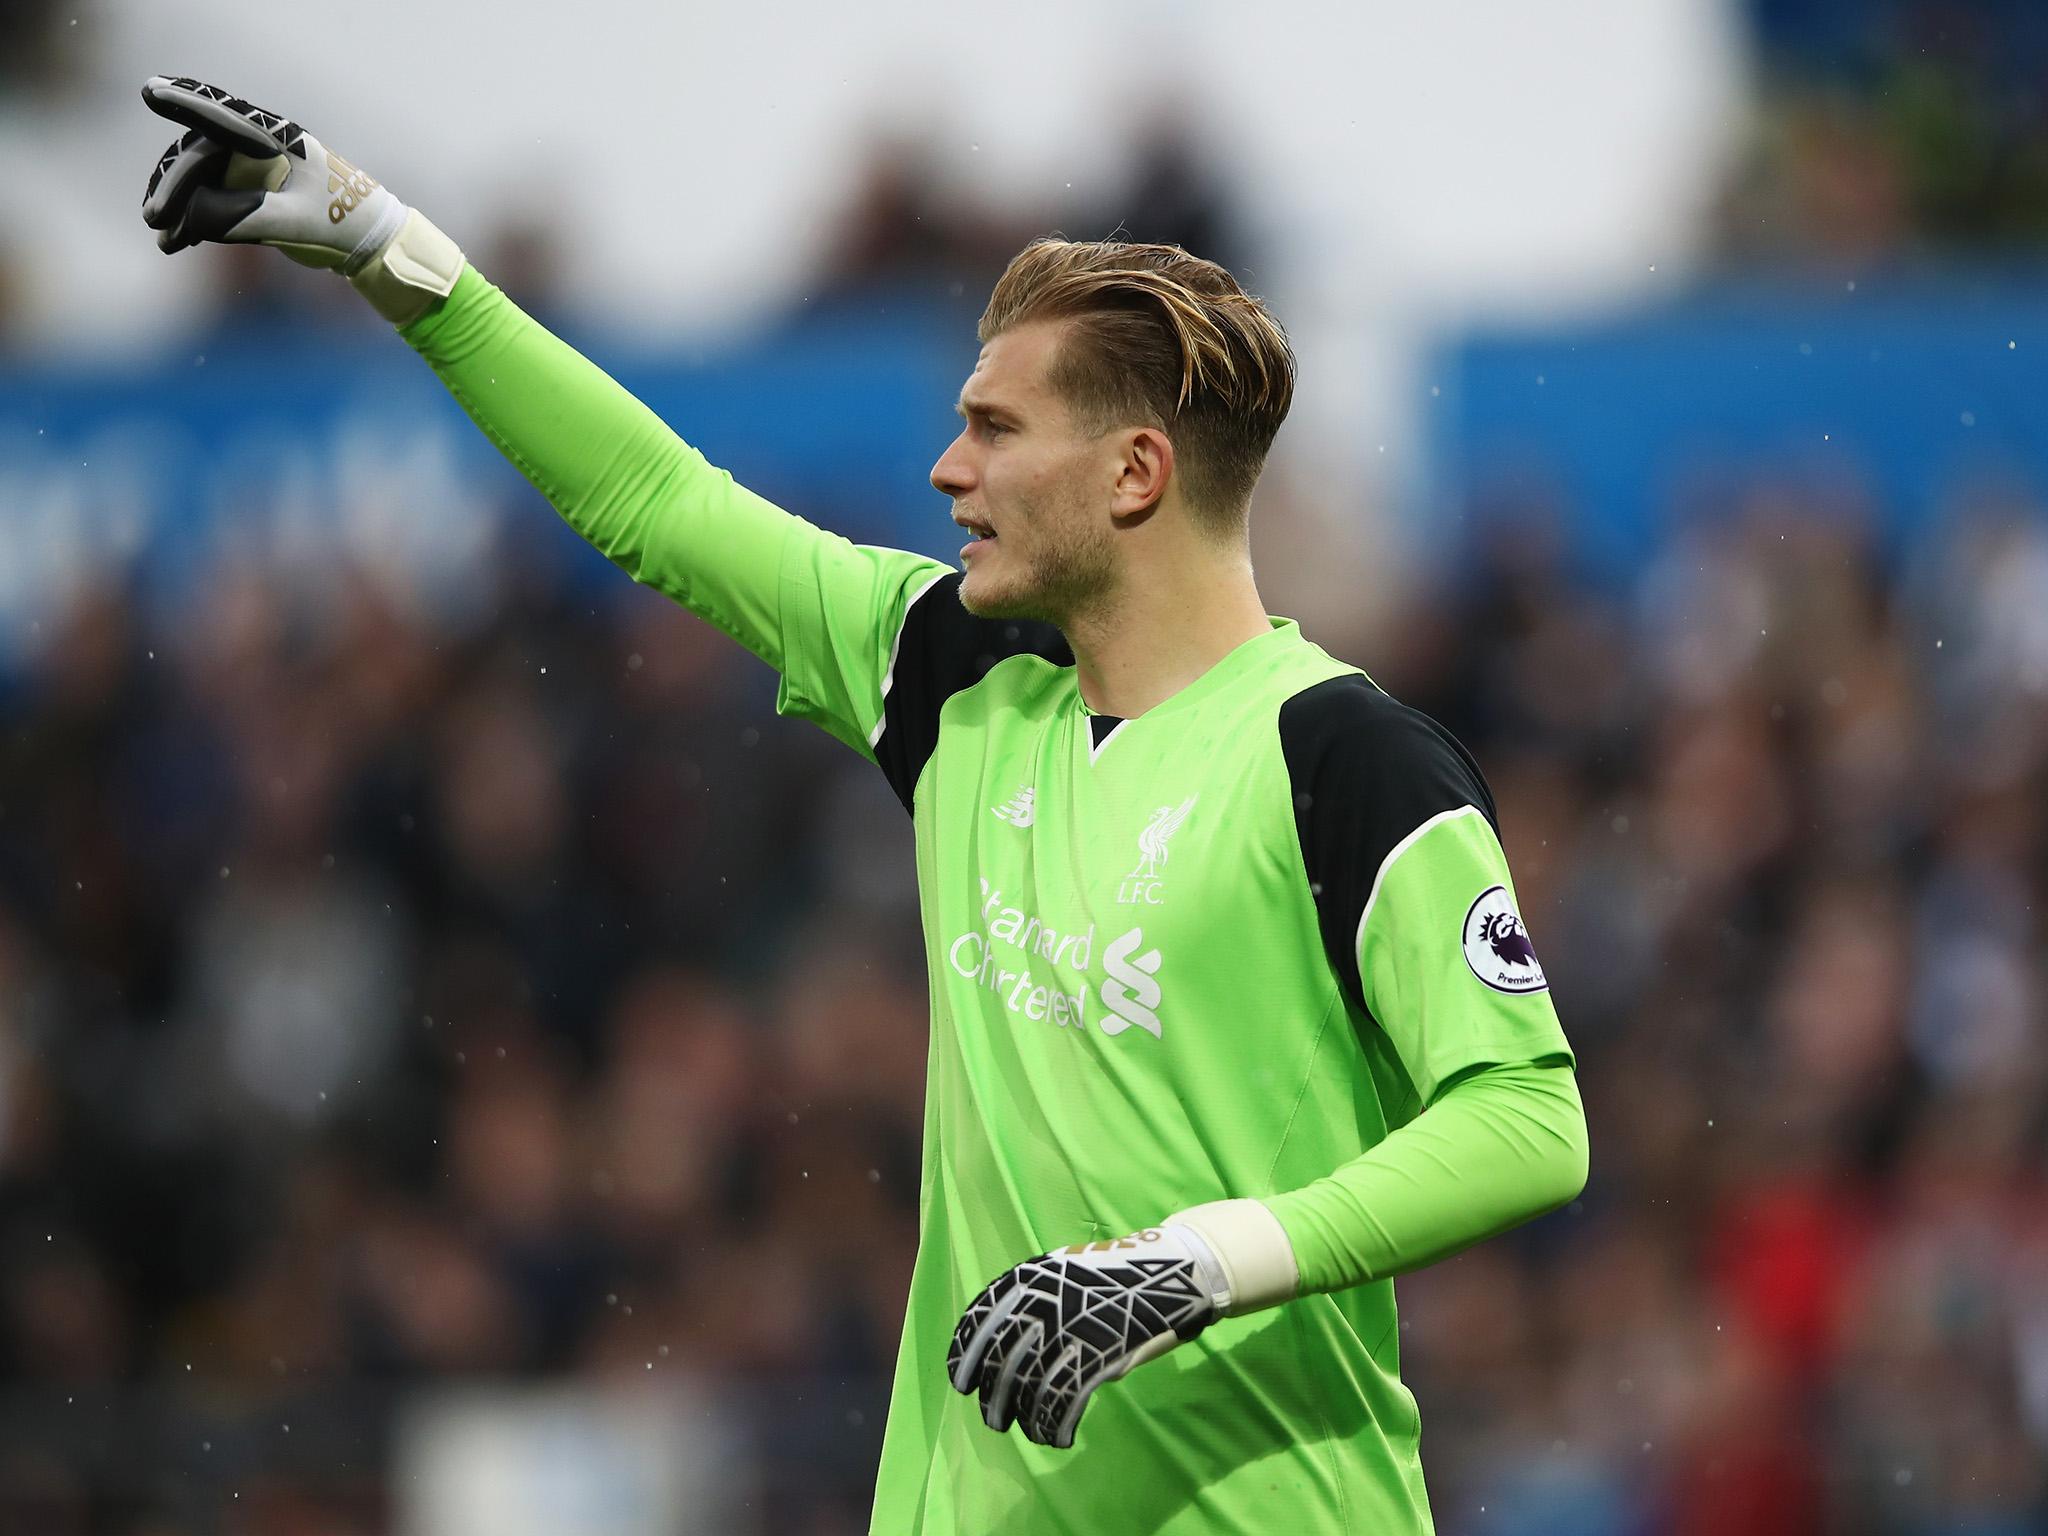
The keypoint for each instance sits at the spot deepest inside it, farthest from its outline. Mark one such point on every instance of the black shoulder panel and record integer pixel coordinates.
(1366, 771)
(941, 649)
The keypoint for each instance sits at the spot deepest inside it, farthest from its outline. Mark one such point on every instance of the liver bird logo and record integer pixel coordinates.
(1152, 841)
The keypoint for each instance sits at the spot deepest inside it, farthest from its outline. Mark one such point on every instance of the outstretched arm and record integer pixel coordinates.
(614, 470)
(825, 613)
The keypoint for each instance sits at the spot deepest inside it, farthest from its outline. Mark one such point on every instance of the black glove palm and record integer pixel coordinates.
(1039, 1340)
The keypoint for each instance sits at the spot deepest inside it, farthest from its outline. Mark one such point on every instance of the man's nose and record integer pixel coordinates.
(952, 476)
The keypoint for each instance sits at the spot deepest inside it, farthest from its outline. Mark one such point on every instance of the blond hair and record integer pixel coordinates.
(1164, 339)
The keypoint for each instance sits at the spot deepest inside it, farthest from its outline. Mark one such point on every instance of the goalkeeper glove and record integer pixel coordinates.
(242, 175)
(1038, 1341)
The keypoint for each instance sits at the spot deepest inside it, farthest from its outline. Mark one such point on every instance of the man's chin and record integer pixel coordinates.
(989, 599)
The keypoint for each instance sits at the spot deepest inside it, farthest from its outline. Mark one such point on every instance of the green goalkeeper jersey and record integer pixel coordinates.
(1218, 950)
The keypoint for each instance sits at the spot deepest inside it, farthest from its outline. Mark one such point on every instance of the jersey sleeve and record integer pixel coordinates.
(846, 625)
(1411, 887)
(940, 649)
(1500, 1145)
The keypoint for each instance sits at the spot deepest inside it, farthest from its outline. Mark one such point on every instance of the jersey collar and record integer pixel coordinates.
(1284, 632)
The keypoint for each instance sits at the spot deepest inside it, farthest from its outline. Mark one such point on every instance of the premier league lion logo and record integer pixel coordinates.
(1503, 934)
(1497, 946)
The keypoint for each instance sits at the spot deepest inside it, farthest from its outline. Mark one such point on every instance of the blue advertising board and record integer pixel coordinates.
(1897, 395)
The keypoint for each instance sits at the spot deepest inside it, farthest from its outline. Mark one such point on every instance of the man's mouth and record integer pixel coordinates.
(982, 532)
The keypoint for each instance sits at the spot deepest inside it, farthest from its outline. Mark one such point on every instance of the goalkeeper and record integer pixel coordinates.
(1233, 1015)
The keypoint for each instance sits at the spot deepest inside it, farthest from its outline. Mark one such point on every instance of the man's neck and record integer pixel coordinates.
(1153, 639)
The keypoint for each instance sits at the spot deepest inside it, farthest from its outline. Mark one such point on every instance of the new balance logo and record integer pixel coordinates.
(1130, 992)
(1019, 810)
(1143, 883)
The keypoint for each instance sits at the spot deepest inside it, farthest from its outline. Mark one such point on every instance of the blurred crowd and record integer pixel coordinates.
(383, 1004)
(1780, 809)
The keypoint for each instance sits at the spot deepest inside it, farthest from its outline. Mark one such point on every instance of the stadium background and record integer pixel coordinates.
(460, 1053)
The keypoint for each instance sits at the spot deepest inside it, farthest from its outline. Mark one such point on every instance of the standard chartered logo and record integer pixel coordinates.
(1130, 991)
(1048, 975)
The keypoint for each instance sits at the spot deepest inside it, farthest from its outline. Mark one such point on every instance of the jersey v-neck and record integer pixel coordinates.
(1102, 727)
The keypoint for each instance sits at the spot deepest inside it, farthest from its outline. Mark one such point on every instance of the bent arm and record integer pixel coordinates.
(1409, 877)
(1499, 1147)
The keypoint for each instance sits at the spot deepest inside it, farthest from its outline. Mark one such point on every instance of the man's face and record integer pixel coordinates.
(1022, 470)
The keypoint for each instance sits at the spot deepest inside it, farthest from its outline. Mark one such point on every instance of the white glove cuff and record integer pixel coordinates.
(416, 266)
(1252, 1248)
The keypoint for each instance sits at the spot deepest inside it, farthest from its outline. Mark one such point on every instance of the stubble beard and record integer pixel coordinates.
(1070, 573)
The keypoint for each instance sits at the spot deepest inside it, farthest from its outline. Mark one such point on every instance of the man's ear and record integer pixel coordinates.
(1144, 469)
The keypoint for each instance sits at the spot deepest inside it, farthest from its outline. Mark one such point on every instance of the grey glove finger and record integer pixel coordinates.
(1030, 1389)
(210, 213)
(223, 117)
(192, 162)
(977, 1326)
(1060, 1432)
(991, 1345)
(1054, 1392)
(1010, 1358)
(169, 158)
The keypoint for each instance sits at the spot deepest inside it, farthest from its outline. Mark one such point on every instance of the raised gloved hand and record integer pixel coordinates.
(242, 175)
(1038, 1341)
